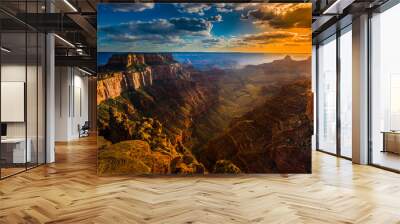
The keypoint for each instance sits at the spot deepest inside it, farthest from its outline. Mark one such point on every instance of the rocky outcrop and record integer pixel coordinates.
(224, 166)
(119, 82)
(137, 156)
(151, 151)
(125, 72)
(121, 61)
(158, 59)
(125, 60)
(169, 71)
(175, 103)
(275, 137)
(160, 113)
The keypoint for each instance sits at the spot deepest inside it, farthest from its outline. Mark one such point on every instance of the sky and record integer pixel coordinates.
(205, 27)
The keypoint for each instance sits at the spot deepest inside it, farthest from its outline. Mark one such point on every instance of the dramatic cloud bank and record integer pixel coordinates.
(158, 30)
(243, 27)
(283, 16)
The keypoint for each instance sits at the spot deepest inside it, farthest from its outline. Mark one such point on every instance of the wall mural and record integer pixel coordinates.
(194, 88)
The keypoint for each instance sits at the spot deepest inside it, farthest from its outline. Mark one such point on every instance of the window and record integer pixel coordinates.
(327, 95)
(385, 89)
(346, 93)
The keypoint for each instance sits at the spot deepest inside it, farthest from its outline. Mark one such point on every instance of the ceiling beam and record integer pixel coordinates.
(79, 61)
(86, 26)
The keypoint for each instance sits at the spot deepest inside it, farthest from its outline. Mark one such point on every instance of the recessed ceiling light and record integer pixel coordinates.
(337, 7)
(5, 50)
(70, 5)
(86, 72)
(64, 40)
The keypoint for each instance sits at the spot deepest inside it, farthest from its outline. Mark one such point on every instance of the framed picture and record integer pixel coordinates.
(204, 88)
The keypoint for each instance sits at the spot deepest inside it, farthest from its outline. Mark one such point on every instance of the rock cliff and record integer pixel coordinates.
(125, 72)
(275, 137)
(159, 112)
(157, 116)
(119, 82)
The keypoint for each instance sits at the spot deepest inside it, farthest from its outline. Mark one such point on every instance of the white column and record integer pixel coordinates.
(360, 90)
(50, 100)
(62, 103)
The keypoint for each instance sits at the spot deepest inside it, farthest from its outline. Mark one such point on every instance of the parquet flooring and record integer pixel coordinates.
(69, 191)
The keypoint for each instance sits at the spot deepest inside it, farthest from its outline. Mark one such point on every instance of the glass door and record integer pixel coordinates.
(22, 77)
(14, 156)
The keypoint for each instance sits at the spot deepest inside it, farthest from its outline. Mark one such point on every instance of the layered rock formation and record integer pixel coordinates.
(160, 114)
(119, 82)
(275, 137)
(125, 72)
(157, 116)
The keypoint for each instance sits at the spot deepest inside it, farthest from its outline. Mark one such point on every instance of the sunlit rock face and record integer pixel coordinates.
(156, 115)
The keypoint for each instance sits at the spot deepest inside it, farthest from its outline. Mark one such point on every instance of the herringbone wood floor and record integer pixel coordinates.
(69, 191)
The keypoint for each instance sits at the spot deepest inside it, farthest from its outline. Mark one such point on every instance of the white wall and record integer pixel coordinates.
(71, 102)
(80, 111)
(16, 73)
(33, 127)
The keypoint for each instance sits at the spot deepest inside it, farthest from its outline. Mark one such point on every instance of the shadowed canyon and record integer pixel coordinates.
(160, 116)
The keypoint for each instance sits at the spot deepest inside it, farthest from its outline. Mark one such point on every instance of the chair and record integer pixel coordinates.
(84, 130)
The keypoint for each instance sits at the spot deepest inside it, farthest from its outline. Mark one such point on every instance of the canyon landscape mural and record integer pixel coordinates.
(195, 88)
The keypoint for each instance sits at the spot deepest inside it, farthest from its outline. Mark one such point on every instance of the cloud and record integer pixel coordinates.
(282, 16)
(229, 7)
(193, 8)
(217, 18)
(157, 31)
(201, 8)
(223, 10)
(273, 37)
(191, 25)
(268, 37)
(153, 38)
(213, 42)
(131, 7)
(244, 17)
(302, 38)
(292, 45)
(223, 7)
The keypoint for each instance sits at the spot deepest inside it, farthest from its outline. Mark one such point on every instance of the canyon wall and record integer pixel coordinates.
(125, 72)
(145, 126)
(158, 116)
(272, 138)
